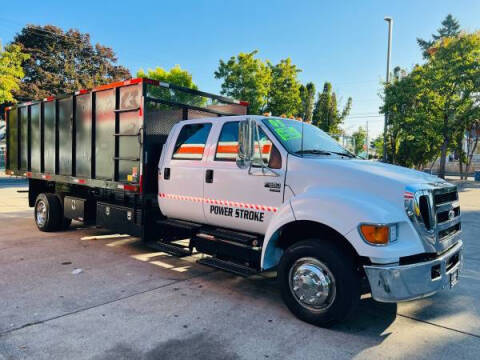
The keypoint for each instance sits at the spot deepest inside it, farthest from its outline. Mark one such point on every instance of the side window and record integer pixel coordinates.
(228, 142)
(227, 146)
(191, 142)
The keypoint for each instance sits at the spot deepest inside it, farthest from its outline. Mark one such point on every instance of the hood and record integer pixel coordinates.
(367, 176)
(392, 172)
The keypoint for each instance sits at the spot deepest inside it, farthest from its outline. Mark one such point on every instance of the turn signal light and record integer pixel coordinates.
(375, 234)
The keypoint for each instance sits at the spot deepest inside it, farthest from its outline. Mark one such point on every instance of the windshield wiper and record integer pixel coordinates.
(324, 152)
(313, 151)
(343, 154)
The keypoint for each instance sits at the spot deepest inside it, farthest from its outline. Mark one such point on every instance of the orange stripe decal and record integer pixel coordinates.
(219, 202)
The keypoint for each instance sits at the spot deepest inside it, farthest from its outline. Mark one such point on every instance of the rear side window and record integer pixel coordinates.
(228, 142)
(191, 142)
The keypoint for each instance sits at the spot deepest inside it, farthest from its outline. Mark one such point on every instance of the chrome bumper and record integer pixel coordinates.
(408, 282)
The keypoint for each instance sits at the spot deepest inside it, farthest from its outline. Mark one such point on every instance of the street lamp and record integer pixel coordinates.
(389, 20)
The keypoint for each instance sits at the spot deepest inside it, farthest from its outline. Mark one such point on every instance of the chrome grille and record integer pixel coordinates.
(436, 216)
(447, 212)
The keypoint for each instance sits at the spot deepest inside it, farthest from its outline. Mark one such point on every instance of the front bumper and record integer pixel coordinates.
(408, 282)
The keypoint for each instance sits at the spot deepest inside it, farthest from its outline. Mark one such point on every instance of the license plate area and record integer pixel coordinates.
(453, 278)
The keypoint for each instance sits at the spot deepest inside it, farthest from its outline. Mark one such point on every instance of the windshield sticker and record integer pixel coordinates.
(285, 132)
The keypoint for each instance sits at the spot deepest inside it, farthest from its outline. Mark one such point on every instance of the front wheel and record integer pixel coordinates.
(319, 282)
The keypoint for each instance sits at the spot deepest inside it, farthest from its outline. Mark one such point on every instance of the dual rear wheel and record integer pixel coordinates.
(48, 213)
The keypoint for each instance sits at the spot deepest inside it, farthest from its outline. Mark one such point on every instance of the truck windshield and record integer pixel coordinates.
(315, 141)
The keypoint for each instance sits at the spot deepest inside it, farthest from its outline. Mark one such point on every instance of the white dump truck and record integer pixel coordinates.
(257, 193)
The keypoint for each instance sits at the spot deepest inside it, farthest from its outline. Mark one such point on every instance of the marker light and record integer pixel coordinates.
(378, 234)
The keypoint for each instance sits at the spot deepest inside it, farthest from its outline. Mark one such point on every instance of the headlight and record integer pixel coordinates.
(378, 234)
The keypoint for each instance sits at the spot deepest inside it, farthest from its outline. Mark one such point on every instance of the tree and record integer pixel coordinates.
(360, 138)
(284, 93)
(176, 76)
(432, 107)
(452, 77)
(246, 78)
(450, 28)
(307, 96)
(412, 136)
(326, 114)
(11, 72)
(63, 62)
(377, 144)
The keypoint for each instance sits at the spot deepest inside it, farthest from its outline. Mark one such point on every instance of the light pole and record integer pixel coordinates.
(389, 51)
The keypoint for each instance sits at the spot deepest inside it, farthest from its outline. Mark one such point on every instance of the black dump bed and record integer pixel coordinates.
(107, 138)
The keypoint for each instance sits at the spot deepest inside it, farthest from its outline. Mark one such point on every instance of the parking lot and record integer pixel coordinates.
(88, 294)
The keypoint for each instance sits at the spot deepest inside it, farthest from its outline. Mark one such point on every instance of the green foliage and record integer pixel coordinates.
(246, 78)
(176, 76)
(436, 102)
(377, 144)
(63, 62)
(450, 28)
(326, 114)
(276, 89)
(307, 96)
(359, 137)
(11, 72)
(284, 93)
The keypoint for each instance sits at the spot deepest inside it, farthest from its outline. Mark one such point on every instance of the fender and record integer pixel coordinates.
(343, 210)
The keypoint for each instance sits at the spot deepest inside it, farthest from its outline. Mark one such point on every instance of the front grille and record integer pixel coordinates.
(445, 202)
(450, 231)
(444, 215)
(446, 197)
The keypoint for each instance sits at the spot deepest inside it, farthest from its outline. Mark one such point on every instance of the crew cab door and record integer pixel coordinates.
(182, 173)
(242, 199)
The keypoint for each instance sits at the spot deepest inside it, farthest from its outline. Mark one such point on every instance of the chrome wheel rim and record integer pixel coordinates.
(312, 284)
(41, 213)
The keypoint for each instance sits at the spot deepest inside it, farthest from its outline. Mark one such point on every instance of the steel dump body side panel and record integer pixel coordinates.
(35, 137)
(65, 132)
(130, 121)
(12, 143)
(104, 130)
(83, 118)
(49, 138)
(24, 143)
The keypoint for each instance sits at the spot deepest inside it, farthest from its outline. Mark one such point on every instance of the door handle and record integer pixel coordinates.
(209, 176)
(166, 173)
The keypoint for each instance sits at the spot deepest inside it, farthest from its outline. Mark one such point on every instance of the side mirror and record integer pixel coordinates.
(246, 140)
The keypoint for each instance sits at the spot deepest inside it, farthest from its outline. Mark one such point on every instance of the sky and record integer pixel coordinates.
(343, 42)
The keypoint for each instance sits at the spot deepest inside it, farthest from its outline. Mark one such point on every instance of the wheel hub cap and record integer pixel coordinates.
(41, 213)
(312, 283)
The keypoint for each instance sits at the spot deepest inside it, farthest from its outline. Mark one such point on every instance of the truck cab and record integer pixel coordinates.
(263, 193)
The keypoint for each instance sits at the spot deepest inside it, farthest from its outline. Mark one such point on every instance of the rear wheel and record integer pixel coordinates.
(319, 282)
(48, 212)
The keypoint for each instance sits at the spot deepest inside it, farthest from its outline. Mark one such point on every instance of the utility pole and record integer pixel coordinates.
(390, 24)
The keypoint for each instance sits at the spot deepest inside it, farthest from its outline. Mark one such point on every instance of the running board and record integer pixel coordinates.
(234, 268)
(175, 250)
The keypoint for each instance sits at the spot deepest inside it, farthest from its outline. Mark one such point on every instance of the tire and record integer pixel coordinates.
(48, 212)
(319, 282)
